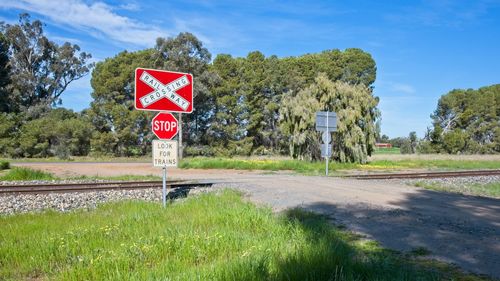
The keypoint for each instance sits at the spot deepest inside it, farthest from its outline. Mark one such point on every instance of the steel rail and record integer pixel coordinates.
(427, 175)
(94, 186)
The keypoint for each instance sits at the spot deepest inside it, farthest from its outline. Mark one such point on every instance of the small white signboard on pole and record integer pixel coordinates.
(165, 153)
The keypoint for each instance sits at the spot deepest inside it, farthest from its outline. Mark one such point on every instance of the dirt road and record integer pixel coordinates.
(464, 230)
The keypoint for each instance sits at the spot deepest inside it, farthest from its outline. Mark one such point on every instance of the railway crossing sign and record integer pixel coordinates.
(159, 90)
(165, 126)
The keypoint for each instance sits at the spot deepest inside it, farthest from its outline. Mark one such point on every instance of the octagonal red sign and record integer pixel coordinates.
(165, 126)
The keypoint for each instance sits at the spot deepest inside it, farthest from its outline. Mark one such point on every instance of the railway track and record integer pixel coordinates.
(426, 175)
(99, 186)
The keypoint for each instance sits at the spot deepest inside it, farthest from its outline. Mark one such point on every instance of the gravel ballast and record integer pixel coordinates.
(458, 181)
(64, 202)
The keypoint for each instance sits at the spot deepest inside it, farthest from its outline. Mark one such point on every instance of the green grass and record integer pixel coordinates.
(488, 190)
(259, 164)
(383, 150)
(119, 178)
(26, 174)
(140, 159)
(208, 237)
(319, 167)
(4, 165)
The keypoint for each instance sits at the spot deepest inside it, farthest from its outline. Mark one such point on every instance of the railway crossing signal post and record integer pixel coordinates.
(326, 122)
(158, 90)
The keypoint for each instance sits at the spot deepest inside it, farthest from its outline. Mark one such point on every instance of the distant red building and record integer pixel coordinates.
(383, 145)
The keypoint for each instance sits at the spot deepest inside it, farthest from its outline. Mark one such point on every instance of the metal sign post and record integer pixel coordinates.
(164, 189)
(326, 157)
(165, 155)
(326, 122)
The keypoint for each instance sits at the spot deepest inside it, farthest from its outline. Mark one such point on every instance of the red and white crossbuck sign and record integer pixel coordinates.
(160, 90)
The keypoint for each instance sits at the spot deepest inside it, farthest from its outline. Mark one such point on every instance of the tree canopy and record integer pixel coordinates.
(467, 121)
(39, 69)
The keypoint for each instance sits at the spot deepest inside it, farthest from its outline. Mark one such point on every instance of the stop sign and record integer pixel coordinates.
(164, 126)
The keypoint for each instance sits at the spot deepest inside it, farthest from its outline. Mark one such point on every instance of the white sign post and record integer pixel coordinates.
(165, 155)
(326, 122)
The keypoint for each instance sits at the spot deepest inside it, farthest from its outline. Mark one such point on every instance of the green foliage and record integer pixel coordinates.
(26, 174)
(355, 136)
(408, 145)
(467, 121)
(120, 130)
(250, 91)
(4, 74)
(61, 133)
(4, 165)
(425, 147)
(228, 110)
(454, 141)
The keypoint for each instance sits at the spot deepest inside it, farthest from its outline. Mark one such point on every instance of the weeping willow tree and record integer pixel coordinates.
(357, 113)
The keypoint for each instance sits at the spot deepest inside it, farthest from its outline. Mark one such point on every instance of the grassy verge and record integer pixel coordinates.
(384, 150)
(119, 178)
(488, 190)
(209, 237)
(4, 165)
(26, 174)
(141, 159)
(318, 167)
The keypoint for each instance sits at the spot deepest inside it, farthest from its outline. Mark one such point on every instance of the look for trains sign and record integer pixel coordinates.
(159, 90)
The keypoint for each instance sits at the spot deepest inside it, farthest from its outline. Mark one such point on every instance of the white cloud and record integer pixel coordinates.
(96, 18)
(134, 7)
(402, 88)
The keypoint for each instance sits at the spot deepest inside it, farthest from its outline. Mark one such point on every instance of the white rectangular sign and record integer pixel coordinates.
(323, 118)
(165, 153)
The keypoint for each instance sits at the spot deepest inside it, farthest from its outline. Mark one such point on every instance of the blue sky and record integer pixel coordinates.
(423, 49)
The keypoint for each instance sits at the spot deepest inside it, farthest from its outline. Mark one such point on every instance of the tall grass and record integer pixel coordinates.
(319, 167)
(209, 237)
(26, 174)
(386, 150)
(4, 165)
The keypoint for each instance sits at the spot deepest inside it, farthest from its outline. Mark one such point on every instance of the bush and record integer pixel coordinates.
(200, 150)
(4, 165)
(425, 147)
(26, 174)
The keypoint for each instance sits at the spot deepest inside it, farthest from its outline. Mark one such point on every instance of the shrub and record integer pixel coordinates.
(4, 165)
(26, 174)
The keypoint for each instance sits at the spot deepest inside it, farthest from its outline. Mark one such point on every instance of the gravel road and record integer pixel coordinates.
(464, 230)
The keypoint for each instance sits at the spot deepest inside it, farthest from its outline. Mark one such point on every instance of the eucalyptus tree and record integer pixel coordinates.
(40, 70)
